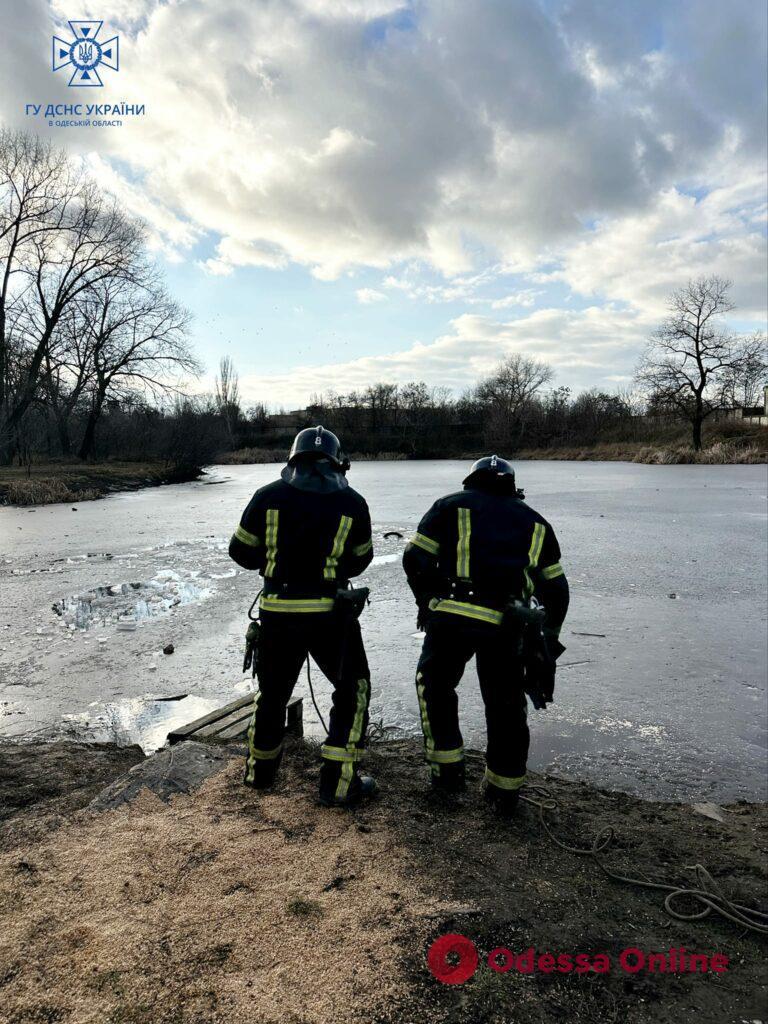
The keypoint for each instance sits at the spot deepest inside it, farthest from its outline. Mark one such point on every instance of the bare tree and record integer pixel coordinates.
(32, 174)
(381, 399)
(137, 339)
(62, 237)
(68, 369)
(690, 357)
(228, 397)
(507, 392)
(745, 380)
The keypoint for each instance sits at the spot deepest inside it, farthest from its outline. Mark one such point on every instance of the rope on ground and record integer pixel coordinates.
(708, 894)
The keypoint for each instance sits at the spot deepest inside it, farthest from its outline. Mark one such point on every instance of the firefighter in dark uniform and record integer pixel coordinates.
(308, 534)
(475, 552)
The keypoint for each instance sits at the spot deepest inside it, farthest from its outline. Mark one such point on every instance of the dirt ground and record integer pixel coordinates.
(225, 906)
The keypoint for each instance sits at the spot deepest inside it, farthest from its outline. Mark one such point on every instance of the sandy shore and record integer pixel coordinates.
(225, 905)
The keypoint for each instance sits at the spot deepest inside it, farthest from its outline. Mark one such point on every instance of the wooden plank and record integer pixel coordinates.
(238, 727)
(232, 732)
(213, 728)
(185, 731)
(231, 722)
(294, 717)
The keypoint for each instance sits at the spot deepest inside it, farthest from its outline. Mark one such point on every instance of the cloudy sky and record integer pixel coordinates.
(346, 191)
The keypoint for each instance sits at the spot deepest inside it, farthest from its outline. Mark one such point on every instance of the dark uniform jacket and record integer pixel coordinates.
(480, 547)
(307, 534)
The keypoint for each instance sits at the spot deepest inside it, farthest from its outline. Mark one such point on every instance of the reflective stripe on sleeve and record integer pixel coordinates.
(537, 541)
(332, 561)
(273, 516)
(247, 538)
(462, 548)
(504, 781)
(362, 549)
(552, 571)
(470, 611)
(425, 543)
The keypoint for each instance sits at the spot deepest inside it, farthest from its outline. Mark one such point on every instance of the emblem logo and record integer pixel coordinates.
(85, 53)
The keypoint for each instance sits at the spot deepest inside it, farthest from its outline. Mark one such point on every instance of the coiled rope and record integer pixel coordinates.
(708, 894)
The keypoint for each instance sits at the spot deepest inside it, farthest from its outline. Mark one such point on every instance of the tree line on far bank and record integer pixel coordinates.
(94, 355)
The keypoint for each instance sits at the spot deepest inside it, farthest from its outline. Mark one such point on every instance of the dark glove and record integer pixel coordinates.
(423, 615)
(540, 680)
(251, 659)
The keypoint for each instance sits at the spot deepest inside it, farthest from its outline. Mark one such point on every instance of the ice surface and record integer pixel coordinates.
(670, 702)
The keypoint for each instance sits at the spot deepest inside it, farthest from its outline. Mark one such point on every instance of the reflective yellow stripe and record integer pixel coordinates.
(339, 753)
(331, 562)
(462, 548)
(271, 540)
(426, 543)
(537, 540)
(265, 755)
(504, 781)
(426, 728)
(345, 778)
(446, 756)
(362, 549)
(255, 753)
(552, 571)
(247, 538)
(299, 604)
(355, 734)
(471, 611)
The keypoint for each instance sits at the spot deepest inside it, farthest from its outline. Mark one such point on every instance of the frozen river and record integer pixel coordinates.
(662, 689)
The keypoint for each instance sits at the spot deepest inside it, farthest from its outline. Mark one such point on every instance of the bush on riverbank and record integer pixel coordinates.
(717, 453)
(261, 456)
(725, 451)
(51, 483)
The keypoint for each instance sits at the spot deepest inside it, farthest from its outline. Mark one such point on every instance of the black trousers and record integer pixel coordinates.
(336, 644)
(450, 642)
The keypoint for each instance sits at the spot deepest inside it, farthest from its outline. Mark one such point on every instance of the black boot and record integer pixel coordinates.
(503, 801)
(265, 773)
(362, 787)
(449, 778)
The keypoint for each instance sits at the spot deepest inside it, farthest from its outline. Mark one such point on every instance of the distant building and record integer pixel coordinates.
(757, 414)
(295, 420)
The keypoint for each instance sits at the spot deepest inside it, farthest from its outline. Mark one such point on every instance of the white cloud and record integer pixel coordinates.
(370, 295)
(526, 297)
(588, 347)
(473, 159)
(338, 133)
(640, 258)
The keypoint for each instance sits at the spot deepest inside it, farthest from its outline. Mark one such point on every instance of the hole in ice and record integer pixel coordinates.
(128, 603)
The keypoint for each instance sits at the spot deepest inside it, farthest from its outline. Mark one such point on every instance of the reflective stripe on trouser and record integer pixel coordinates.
(286, 640)
(339, 759)
(448, 646)
(261, 763)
